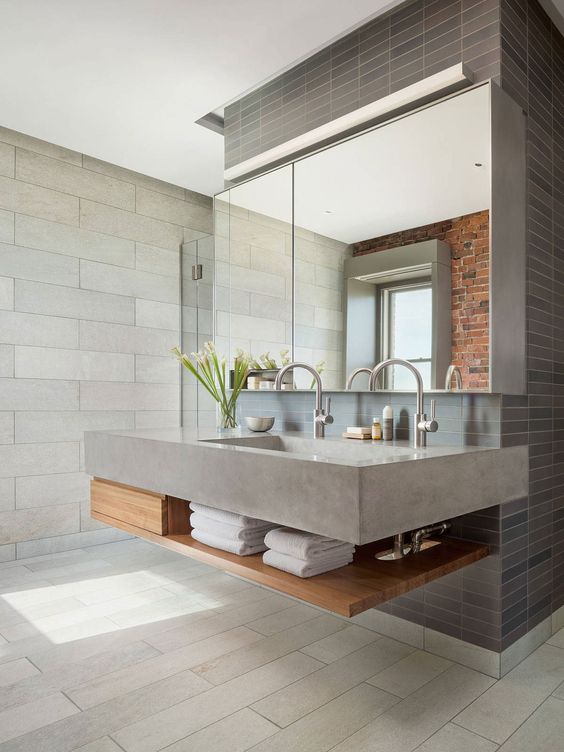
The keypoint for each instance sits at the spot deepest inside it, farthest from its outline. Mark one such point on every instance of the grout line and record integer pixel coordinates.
(110, 736)
(62, 691)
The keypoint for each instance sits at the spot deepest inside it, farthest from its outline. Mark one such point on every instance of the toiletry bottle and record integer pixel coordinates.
(388, 423)
(376, 429)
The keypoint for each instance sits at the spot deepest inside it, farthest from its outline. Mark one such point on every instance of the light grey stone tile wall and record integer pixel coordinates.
(89, 309)
(261, 295)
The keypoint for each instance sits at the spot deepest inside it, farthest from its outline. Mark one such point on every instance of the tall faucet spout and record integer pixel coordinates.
(354, 374)
(318, 385)
(399, 362)
(321, 417)
(421, 426)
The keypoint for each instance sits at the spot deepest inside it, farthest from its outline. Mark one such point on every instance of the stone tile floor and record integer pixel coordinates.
(130, 647)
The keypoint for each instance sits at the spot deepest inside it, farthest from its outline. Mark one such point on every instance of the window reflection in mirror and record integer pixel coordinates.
(407, 324)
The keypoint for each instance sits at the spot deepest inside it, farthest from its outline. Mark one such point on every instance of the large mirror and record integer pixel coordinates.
(375, 247)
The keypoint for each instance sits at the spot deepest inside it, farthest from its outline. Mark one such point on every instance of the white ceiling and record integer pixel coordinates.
(125, 80)
(417, 170)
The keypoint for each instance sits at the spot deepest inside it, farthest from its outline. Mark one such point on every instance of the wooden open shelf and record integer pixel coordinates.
(347, 591)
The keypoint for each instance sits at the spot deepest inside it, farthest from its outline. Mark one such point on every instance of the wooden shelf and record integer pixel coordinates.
(347, 591)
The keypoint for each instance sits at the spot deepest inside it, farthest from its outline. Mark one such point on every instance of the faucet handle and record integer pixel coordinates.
(327, 417)
(429, 426)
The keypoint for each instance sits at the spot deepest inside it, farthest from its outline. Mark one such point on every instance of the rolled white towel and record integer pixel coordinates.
(302, 568)
(303, 545)
(241, 548)
(231, 532)
(231, 518)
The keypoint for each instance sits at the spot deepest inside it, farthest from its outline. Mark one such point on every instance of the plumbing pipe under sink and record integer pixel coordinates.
(401, 549)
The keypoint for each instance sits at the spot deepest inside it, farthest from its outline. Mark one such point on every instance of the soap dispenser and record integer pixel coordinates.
(388, 423)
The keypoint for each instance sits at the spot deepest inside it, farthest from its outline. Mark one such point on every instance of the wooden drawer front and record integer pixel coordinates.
(144, 509)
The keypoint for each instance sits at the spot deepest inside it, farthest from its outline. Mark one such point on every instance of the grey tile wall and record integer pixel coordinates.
(532, 70)
(89, 309)
(391, 52)
(500, 599)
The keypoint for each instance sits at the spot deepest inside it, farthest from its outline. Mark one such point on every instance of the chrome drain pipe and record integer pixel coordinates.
(424, 532)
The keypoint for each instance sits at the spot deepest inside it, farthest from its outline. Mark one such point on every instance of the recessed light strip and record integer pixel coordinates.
(443, 82)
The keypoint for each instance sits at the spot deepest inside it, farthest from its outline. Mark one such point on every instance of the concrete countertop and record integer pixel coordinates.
(353, 490)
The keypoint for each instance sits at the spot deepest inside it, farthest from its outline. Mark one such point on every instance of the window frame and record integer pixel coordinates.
(384, 294)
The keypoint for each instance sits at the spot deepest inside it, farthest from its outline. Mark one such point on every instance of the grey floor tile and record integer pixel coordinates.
(15, 671)
(160, 730)
(342, 643)
(452, 738)
(557, 639)
(21, 719)
(133, 677)
(245, 659)
(409, 674)
(543, 731)
(105, 744)
(413, 720)
(105, 719)
(177, 636)
(236, 733)
(503, 708)
(279, 675)
(269, 625)
(293, 702)
(331, 723)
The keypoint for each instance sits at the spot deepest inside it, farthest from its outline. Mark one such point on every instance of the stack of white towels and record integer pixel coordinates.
(228, 531)
(305, 554)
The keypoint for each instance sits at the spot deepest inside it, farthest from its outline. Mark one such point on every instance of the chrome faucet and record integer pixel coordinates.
(421, 426)
(321, 417)
(453, 371)
(355, 373)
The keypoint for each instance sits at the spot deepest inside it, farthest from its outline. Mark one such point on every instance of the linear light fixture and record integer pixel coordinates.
(441, 83)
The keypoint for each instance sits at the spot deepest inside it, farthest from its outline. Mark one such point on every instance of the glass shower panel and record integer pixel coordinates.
(197, 325)
(254, 267)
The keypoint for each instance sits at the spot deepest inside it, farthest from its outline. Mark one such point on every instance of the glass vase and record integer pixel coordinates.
(227, 419)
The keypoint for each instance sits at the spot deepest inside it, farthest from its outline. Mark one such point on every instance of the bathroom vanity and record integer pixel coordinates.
(405, 260)
(363, 493)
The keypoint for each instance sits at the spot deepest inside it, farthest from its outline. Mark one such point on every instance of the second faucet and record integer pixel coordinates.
(321, 417)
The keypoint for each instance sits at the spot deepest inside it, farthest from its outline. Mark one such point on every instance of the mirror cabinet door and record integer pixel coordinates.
(392, 248)
(374, 248)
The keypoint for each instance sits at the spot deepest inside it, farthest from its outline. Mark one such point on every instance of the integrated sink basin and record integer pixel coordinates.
(324, 450)
(347, 489)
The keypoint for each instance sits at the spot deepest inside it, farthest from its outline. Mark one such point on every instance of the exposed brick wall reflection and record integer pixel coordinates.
(468, 238)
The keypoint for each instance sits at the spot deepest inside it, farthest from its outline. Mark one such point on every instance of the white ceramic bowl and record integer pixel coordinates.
(259, 424)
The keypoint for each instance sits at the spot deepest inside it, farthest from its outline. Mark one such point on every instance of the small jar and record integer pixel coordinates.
(376, 430)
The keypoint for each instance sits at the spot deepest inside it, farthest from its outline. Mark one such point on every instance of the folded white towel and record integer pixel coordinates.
(307, 546)
(230, 518)
(241, 548)
(304, 568)
(225, 530)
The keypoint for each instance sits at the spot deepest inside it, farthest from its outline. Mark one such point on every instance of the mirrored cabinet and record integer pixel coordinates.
(389, 244)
